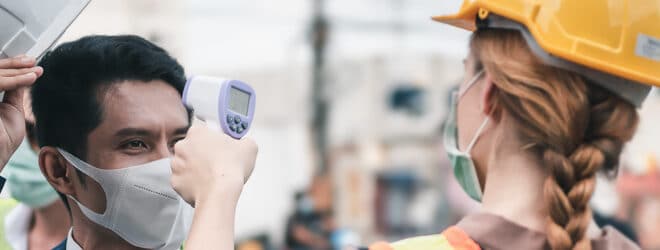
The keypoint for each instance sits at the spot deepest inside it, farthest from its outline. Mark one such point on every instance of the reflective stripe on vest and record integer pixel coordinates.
(451, 239)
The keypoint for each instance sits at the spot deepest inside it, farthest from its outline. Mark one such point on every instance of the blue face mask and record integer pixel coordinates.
(25, 181)
(306, 205)
(462, 163)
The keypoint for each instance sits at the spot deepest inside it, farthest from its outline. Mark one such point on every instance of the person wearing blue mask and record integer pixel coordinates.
(39, 220)
(305, 228)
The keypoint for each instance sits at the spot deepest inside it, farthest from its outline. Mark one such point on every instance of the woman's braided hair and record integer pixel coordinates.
(575, 127)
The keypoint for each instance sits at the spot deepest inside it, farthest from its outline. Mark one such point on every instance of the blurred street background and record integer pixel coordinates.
(352, 96)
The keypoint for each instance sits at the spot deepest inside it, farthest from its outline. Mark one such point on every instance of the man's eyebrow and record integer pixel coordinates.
(182, 130)
(133, 131)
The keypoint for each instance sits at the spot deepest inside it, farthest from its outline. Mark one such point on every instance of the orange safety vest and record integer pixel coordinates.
(452, 238)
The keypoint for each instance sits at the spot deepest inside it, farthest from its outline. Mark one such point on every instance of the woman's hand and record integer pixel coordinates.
(209, 163)
(15, 75)
(208, 170)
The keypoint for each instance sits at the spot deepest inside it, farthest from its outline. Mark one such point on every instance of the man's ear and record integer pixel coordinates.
(56, 170)
(487, 97)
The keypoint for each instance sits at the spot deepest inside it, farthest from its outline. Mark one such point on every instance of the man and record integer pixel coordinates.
(108, 112)
(309, 227)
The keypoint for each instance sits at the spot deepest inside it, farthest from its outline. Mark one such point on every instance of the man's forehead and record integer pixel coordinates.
(142, 104)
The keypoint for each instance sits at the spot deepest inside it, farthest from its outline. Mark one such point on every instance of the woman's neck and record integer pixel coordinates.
(514, 188)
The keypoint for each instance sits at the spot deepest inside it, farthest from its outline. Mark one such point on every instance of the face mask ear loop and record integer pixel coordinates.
(469, 85)
(483, 125)
(476, 137)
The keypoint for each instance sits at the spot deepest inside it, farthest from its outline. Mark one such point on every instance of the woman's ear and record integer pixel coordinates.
(56, 170)
(487, 97)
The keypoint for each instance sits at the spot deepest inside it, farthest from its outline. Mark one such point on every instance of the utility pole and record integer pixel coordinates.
(319, 36)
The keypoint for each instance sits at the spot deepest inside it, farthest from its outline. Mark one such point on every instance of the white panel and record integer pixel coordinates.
(32, 26)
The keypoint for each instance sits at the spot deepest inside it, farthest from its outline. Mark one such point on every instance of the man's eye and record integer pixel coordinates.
(136, 145)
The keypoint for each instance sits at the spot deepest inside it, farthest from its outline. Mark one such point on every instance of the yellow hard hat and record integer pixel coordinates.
(615, 42)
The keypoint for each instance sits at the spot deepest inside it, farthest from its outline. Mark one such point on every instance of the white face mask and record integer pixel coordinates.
(141, 205)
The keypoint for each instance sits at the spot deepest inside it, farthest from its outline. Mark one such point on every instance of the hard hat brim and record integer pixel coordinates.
(464, 18)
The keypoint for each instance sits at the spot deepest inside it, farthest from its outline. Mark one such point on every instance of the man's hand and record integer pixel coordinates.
(209, 163)
(15, 75)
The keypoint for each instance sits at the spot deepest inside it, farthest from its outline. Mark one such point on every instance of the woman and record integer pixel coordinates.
(531, 129)
(37, 219)
(549, 100)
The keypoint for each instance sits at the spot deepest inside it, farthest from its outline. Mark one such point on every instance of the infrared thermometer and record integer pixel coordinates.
(224, 104)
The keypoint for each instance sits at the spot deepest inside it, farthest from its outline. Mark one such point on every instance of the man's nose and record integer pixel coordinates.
(163, 150)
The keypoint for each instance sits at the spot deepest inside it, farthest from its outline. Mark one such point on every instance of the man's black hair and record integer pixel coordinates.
(65, 99)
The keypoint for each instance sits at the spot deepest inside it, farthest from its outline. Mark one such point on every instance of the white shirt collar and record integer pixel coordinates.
(17, 223)
(70, 243)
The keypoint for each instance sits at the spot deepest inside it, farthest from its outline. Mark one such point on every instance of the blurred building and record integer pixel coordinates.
(381, 146)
